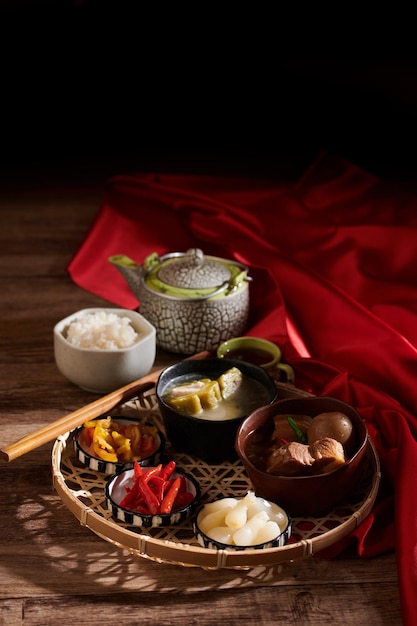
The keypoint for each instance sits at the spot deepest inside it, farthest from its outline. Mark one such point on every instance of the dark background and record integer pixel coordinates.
(80, 95)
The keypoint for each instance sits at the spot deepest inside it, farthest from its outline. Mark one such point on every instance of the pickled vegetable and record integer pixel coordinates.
(110, 441)
(155, 491)
(245, 522)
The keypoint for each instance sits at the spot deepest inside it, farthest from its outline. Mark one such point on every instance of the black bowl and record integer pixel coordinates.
(105, 467)
(212, 441)
(275, 513)
(115, 491)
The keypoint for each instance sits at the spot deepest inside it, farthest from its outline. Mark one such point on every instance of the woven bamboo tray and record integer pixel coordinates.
(82, 492)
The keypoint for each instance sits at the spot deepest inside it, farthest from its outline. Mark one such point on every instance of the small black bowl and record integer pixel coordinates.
(274, 513)
(106, 467)
(115, 492)
(207, 439)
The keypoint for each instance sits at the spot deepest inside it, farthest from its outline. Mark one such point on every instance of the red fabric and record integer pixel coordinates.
(333, 259)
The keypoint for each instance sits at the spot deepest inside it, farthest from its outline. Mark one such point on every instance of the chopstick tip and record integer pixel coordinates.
(4, 456)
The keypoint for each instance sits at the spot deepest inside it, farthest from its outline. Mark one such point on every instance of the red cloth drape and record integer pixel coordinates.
(333, 259)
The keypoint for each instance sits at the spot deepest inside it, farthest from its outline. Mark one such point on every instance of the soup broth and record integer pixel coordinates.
(249, 396)
(258, 446)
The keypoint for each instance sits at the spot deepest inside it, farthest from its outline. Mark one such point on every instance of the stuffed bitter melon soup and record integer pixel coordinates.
(229, 396)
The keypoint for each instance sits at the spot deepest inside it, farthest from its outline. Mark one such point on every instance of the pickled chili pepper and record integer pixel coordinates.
(168, 501)
(158, 486)
(167, 471)
(183, 499)
(147, 445)
(152, 471)
(137, 470)
(132, 497)
(140, 507)
(183, 486)
(148, 495)
(89, 435)
(154, 491)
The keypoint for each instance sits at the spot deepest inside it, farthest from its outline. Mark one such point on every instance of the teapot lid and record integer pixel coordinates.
(194, 271)
(192, 274)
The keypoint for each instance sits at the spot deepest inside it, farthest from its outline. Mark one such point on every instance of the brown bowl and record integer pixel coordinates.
(309, 494)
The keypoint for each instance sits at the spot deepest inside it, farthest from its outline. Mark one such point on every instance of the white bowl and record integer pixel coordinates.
(104, 370)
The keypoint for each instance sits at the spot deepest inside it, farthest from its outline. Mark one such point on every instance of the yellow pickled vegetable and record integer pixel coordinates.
(114, 442)
(103, 423)
(134, 433)
(123, 447)
(102, 447)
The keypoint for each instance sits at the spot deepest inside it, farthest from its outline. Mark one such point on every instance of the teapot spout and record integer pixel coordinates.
(130, 270)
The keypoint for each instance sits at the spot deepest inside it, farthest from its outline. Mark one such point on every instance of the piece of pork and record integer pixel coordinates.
(284, 430)
(328, 454)
(289, 459)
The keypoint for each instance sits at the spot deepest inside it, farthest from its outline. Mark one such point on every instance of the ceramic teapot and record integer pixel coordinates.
(195, 302)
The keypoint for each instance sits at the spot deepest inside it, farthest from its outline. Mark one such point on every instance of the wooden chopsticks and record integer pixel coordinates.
(90, 411)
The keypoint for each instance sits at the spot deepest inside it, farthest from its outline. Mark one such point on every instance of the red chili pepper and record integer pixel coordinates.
(148, 495)
(284, 441)
(168, 501)
(157, 484)
(167, 471)
(88, 434)
(183, 499)
(140, 507)
(183, 485)
(154, 491)
(152, 471)
(147, 445)
(131, 497)
(137, 470)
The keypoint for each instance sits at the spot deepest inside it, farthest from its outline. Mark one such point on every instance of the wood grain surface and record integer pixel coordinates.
(53, 570)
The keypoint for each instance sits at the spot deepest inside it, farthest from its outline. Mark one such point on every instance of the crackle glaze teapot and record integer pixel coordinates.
(195, 302)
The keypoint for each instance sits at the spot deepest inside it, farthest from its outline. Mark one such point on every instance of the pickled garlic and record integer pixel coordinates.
(247, 535)
(248, 521)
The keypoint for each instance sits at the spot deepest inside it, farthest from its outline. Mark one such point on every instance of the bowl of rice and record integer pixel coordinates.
(103, 349)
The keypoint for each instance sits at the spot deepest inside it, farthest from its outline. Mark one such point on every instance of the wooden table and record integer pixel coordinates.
(53, 569)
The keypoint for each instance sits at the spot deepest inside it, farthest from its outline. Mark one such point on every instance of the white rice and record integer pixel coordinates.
(102, 331)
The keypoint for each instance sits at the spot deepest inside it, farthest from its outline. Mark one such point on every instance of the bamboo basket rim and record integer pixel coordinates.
(78, 486)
